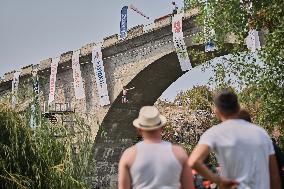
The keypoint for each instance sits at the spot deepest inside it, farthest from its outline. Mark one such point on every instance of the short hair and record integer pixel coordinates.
(245, 115)
(227, 103)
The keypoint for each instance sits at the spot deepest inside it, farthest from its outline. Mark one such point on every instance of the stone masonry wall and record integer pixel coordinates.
(123, 60)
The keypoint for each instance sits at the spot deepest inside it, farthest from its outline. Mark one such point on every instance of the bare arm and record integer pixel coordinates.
(130, 88)
(196, 161)
(186, 178)
(275, 182)
(124, 179)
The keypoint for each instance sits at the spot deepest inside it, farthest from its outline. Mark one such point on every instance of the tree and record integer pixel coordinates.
(198, 98)
(48, 156)
(261, 73)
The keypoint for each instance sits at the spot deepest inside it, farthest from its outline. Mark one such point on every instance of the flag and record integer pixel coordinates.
(78, 82)
(52, 79)
(123, 22)
(100, 75)
(179, 43)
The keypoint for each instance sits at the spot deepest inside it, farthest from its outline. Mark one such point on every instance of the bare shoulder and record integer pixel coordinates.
(180, 153)
(128, 156)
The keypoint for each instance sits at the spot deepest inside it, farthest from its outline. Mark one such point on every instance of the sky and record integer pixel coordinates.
(34, 30)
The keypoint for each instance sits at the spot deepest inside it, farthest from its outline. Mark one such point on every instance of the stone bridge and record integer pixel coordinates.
(144, 60)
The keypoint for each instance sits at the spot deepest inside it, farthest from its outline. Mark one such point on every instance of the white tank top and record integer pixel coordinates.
(155, 167)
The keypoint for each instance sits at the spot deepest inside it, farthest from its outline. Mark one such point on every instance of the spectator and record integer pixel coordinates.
(245, 115)
(244, 150)
(278, 153)
(153, 163)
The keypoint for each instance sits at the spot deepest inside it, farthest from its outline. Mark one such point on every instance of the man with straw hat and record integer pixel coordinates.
(153, 163)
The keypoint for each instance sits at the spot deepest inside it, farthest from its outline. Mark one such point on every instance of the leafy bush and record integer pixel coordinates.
(50, 156)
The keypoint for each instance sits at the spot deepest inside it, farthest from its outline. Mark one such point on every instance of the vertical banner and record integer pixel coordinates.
(179, 42)
(33, 117)
(35, 81)
(252, 40)
(52, 80)
(208, 31)
(15, 86)
(78, 82)
(123, 22)
(100, 75)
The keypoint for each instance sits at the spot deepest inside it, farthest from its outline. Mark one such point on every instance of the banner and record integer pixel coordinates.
(123, 22)
(78, 82)
(35, 81)
(33, 117)
(52, 80)
(252, 40)
(179, 43)
(209, 32)
(100, 75)
(15, 86)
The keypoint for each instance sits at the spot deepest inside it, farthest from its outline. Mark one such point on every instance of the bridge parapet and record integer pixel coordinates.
(108, 42)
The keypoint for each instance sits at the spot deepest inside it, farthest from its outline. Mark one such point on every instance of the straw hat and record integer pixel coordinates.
(149, 119)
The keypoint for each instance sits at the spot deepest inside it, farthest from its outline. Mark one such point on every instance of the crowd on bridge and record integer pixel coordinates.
(247, 158)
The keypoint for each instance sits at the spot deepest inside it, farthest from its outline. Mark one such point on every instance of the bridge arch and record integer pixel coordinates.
(116, 132)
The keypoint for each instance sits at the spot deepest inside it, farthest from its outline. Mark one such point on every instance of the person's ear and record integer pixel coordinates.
(139, 132)
(217, 113)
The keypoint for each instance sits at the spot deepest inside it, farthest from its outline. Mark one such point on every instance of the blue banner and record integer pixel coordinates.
(123, 22)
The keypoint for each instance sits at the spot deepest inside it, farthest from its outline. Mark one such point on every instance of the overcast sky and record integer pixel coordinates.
(33, 30)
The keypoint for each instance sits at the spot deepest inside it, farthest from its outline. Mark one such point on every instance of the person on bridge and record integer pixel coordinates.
(153, 163)
(124, 94)
(244, 150)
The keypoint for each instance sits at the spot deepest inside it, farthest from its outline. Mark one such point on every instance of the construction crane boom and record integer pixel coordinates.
(138, 11)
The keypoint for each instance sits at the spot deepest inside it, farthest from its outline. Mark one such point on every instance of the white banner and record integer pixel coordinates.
(252, 40)
(15, 86)
(78, 82)
(100, 75)
(179, 42)
(52, 80)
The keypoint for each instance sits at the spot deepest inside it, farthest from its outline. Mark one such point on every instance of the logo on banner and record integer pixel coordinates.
(52, 81)
(100, 76)
(123, 22)
(78, 82)
(179, 43)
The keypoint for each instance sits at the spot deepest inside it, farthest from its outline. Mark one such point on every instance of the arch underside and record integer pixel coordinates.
(116, 132)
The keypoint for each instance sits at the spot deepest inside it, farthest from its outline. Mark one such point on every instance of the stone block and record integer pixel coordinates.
(9, 76)
(231, 38)
(135, 31)
(87, 49)
(191, 12)
(65, 57)
(163, 21)
(111, 40)
(27, 70)
(44, 64)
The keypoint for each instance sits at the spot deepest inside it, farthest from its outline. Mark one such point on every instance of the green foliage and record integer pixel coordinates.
(259, 75)
(198, 98)
(50, 156)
